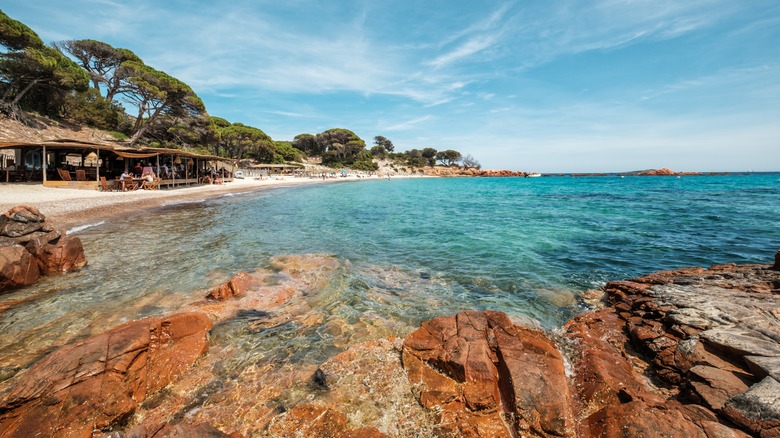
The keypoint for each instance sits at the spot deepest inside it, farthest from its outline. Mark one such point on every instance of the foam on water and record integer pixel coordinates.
(75, 230)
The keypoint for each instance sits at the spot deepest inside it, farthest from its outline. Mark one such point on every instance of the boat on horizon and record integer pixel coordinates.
(533, 175)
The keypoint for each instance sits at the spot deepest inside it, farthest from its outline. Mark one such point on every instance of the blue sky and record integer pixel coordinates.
(537, 85)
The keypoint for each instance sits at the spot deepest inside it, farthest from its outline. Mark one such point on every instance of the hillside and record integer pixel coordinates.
(43, 129)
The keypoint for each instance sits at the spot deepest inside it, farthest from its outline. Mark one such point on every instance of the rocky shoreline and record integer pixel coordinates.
(692, 352)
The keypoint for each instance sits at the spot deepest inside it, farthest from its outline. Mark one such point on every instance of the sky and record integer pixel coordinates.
(531, 85)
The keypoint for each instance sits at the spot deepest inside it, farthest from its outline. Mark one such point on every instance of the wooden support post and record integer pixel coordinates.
(43, 164)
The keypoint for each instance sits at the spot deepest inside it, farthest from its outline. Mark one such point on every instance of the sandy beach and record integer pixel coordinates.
(68, 208)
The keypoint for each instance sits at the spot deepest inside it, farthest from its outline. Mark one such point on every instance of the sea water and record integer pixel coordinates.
(411, 249)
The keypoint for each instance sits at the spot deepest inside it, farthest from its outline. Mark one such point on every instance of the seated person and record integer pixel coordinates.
(126, 180)
(147, 170)
(147, 179)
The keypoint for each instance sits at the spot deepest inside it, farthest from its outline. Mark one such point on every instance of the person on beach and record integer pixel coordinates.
(126, 179)
(147, 170)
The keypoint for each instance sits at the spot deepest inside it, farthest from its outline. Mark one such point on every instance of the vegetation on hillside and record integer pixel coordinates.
(92, 83)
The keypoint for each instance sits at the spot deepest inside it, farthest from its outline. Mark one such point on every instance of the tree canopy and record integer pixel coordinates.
(154, 93)
(308, 144)
(448, 157)
(238, 139)
(28, 63)
(102, 61)
(384, 142)
(15, 35)
(342, 147)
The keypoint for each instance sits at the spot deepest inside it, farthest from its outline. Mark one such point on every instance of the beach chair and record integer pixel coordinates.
(104, 185)
(128, 185)
(64, 174)
(151, 185)
(81, 175)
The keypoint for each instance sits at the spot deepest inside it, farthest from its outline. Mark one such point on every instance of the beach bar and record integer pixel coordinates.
(78, 164)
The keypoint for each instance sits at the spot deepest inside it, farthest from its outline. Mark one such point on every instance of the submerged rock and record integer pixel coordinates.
(30, 248)
(317, 420)
(236, 286)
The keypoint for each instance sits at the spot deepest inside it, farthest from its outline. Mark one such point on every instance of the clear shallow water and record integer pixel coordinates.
(411, 249)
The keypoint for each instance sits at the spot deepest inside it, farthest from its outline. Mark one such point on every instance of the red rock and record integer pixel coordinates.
(44, 246)
(17, 267)
(477, 367)
(716, 386)
(658, 172)
(66, 255)
(603, 375)
(758, 409)
(637, 419)
(99, 382)
(20, 221)
(236, 286)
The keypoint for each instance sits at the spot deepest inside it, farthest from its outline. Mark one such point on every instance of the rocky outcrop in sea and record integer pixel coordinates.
(687, 353)
(30, 248)
(470, 171)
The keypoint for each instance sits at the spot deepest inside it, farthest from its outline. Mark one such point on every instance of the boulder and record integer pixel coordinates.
(98, 383)
(26, 238)
(18, 267)
(66, 255)
(486, 376)
(21, 220)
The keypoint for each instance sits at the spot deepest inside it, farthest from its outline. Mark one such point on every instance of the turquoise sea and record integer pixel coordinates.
(410, 249)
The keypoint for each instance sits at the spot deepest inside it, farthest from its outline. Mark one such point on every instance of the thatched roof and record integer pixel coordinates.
(125, 151)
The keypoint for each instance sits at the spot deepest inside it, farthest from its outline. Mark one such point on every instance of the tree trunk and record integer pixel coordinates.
(23, 92)
(142, 129)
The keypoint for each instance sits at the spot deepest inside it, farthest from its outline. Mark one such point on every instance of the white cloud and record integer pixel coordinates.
(470, 47)
(407, 125)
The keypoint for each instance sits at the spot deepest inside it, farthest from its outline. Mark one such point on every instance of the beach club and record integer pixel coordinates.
(85, 165)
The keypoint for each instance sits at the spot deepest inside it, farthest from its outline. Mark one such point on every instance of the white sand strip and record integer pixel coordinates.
(68, 208)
